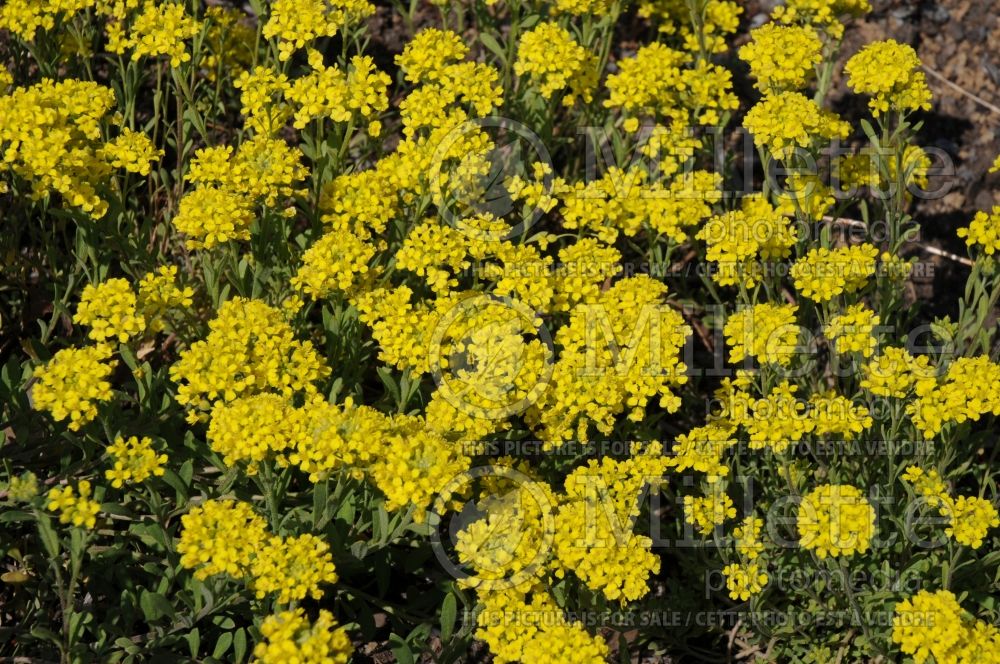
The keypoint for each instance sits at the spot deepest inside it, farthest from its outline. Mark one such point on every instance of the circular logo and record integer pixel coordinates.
(491, 357)
(513, 523)
(471, 165)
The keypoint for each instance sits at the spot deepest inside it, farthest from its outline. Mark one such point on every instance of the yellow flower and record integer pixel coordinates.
(159, 296)
(250, 349)
(424, 57)
(984, 231)
(766, 331)
(778, 420)
(73, 383)
(210, 216)
(74, 507)
(744, 580)
(50, 135)
(784, 121)
(708, 512)
(293, 567)
(782, 57)
(556, 63)
(895, 372)
(221, 537)
(970, 519)
(823, 274)
(109, 309)
(933, 624)
(890, 73)
(135, 460)
(133, 151)
(835, 520)
(297, 23)
(289, 637)
(161, 28)
(852, 331)
(822, 14)
(22, 488)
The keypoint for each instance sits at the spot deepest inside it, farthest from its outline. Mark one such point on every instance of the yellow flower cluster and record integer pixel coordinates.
(25, 17)
(527, 625)
(337, 262)
(73, 382)
(109, 309)
(50, 135)
(778, 420)
(749, 543)
(423, 56)
(740, 241)
(263, 170)
(297, 23)
(765, 331)
(852, 331)
(890, 73)
(329, 92)
(823, 274)
(132, 151)
(719, 18)
(782, 57)
(510, 546)
(602, 500)
(833, 414)
(894, 372)
(969, 518)
(784, 121)
(416, 465)
(984, 230)
(968, 390)
(705, 513)
(250, 349)
(556, 63)
(647, 83)
(744, 580)
(220, 537)
(159, 296)
(617, 354)
(251, 428)
(823, 15)
(161, 28)
(933, 625)
(835, 520)
(289, 637)
(292, 567)
(22, 488)
(135, 460)
(211, 216)
(74, 507)
(327, 438)
(702, 450)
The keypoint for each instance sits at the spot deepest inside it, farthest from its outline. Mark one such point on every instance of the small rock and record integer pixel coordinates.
(939, 14)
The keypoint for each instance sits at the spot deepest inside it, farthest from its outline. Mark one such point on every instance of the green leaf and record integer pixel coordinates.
(193, 639)
(449, 611)
(401, 649)
(490, 42)
(11, 516)
(49, 538)
(240, 644)
(222, 645)
(155, 606)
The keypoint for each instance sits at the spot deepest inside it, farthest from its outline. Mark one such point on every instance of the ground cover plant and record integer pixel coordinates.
(569, 331)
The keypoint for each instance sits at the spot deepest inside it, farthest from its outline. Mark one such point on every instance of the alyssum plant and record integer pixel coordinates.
(276, 288)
